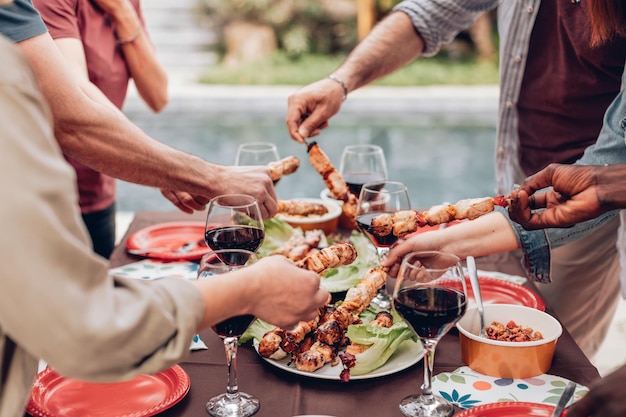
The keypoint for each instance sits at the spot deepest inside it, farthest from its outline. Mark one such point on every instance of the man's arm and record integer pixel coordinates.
(391, 45)
(102, 138)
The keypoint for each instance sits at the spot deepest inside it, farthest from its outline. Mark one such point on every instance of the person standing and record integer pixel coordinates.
(106, 43)
(554, 89)
(98, 135)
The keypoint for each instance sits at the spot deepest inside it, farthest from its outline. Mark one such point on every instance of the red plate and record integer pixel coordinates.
(499, 291)
(509, 409)
(145, 395)
(169, 235)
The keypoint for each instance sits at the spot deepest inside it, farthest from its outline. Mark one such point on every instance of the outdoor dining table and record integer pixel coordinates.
(284, 394)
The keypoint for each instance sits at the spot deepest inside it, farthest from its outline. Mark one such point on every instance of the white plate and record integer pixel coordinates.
(408, 354)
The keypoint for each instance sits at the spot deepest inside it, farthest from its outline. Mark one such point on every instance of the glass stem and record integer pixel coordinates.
(429, 359)
(232, 388)
(384, 291)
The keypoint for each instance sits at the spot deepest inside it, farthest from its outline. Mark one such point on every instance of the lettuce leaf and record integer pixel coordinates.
(382, 341)
(348, 276)
(255, 331)
(277, 232)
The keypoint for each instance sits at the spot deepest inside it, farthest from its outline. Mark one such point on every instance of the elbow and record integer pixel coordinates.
(157, 104)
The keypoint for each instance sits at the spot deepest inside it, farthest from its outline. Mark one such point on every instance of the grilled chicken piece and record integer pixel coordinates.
(269, 345)
(343, 253)
(317, 356)
(285, 166)
(301, 208)
(300, 245)
(292, 338)
(382, 319)
(335, 183)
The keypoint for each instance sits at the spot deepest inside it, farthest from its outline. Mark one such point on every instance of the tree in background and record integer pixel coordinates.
(253, 30)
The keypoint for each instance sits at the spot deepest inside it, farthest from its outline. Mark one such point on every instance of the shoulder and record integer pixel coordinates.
(19, 21)
(60, 16)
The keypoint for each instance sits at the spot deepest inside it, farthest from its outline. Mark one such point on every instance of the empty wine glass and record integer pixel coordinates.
(361, 164)
(257, 153)
(234, 222)
(376, 198)
(430, 294)
(232, 403)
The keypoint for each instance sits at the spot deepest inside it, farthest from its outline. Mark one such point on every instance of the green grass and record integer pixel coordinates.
(282, 71)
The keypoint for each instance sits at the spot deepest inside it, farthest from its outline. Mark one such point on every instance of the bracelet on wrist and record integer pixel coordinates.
(131, 38)
(340, 82)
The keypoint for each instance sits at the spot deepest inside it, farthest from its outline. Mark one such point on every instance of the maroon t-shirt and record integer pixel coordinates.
(567, 86)
(81, 19)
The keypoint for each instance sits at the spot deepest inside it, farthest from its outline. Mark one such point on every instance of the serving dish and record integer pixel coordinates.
(504, 359)
(327, 222)
(408, 354)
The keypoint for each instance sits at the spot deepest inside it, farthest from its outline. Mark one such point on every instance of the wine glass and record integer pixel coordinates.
(361, 164)
(376, 198)
(257, 153)
(232, 403)
(234, 222)
(430, 294)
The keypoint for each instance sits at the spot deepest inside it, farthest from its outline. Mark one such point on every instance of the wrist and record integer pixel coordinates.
(341, 82)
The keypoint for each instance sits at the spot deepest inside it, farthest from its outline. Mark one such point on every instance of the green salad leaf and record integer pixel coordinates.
(347, 276)
(255, 331)
(277, 232)
(382, 342)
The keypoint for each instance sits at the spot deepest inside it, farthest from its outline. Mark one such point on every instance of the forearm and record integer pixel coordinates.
(147, 73)
(392, 44)
(611, 183)
(101, 137)
(485, 235)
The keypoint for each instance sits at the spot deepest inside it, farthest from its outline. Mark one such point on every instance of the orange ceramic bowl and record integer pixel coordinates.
(508, 359)
(327, 222)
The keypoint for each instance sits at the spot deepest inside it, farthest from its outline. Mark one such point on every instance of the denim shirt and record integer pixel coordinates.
(439, 22)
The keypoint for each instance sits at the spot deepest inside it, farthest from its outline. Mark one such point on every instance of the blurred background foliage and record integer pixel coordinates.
(299, 41)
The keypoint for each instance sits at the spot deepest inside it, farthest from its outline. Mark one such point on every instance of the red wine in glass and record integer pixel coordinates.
(234, 326)
(430, 311)
(234, 237)
(364, 223)
(356, 179)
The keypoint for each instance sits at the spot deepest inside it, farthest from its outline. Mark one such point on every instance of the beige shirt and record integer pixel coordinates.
(57, 301)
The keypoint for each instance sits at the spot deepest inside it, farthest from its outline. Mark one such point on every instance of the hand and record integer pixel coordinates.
(576, 196)
(123, 15)
(251, 180)
(419, 242)
(286, 294)
(605, 398)
(185, 201)
(310, 108)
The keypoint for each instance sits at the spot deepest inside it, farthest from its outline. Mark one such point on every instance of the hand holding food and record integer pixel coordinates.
(579, 193)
